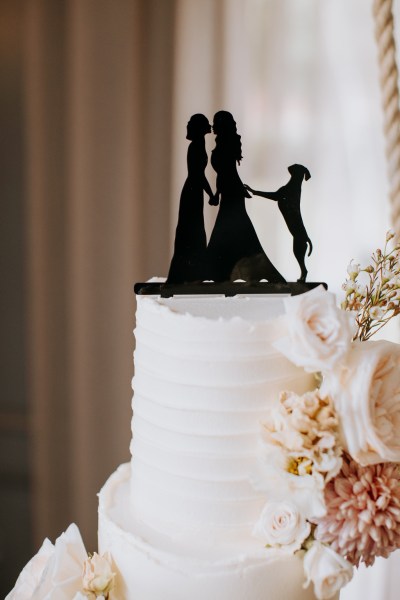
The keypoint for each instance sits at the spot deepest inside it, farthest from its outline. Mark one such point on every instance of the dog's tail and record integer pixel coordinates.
(310, 246)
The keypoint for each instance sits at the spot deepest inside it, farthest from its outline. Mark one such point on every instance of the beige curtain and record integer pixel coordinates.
(98, 155)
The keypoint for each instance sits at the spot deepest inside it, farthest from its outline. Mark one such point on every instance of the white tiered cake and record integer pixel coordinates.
(178, 520)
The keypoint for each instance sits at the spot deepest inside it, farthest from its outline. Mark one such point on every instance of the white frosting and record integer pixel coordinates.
(178, 521)
(154, 567)
(203, 384)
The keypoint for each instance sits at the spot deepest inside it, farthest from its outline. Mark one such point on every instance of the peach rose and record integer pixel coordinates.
(366, 394)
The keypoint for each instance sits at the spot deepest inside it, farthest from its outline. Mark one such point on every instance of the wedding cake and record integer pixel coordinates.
(179, 520)
(266, 425)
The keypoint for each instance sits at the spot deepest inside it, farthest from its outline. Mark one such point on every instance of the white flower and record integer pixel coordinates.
(305, 491)
(376, 312)
(306, 428)
(55, 571)
(390, 235)
(328, 464)
(327, 570)
(366, 394)
(361, 289)
(353, 270)
(319, 333)
(98, 576)
(349, 286)
(282, 526)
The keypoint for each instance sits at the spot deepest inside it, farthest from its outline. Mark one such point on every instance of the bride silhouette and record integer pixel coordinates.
(234, 250)
(188, 261)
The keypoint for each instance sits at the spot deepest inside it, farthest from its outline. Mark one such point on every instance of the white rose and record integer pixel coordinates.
(98, 576)
(319, 333)
(282, 526)
(366, 394)
(55, 571)
(327, 570)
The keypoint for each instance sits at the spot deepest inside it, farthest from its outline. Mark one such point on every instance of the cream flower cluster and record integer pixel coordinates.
(334, 451)
(305, 428)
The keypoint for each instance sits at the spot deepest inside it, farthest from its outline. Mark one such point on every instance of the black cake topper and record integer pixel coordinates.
(234, 251)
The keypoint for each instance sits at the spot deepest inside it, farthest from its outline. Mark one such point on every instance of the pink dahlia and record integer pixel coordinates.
(363, 511)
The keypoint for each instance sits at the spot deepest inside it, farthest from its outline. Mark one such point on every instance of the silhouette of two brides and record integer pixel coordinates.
(234, 250)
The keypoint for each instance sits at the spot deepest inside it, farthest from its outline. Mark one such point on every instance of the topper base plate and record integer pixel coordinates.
(225, 288)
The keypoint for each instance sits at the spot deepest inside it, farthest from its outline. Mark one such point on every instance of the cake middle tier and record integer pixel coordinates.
(202, 387)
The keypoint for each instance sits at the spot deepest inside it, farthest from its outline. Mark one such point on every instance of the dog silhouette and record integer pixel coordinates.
(288, 198)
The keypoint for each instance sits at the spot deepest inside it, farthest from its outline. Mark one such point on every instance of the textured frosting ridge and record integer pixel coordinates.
(201, 387)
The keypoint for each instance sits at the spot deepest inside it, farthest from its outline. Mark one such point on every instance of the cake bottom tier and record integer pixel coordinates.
(152, 566)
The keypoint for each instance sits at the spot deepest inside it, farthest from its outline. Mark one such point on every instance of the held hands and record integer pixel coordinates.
(214, 200)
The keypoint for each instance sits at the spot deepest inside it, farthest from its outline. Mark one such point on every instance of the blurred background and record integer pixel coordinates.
(94, 100)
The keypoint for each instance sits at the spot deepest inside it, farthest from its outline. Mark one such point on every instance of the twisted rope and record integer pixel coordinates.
(388, 76)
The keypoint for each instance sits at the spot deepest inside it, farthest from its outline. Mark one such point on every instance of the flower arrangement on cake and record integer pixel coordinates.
(330, 459)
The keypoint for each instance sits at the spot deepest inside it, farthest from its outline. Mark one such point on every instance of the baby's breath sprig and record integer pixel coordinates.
(373, 292)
